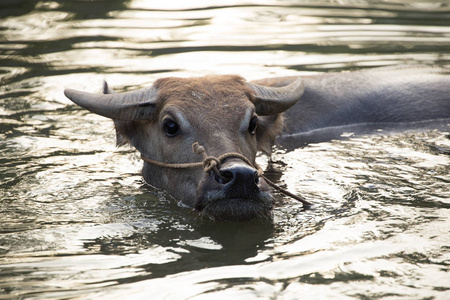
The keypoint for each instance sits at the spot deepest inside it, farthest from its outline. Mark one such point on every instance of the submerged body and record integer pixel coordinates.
(371, 96)
(379, 95)
(226, 114)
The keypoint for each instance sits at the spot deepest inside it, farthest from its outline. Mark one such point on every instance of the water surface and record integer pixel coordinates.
(77, 221)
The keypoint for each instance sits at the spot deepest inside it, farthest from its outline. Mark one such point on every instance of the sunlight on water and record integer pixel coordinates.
(77, 220)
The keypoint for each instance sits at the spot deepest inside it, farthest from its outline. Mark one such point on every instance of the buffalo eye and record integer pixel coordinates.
(171, 128)
(252, 125)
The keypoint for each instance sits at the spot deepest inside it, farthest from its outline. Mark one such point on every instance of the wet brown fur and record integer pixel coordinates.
(206, 95)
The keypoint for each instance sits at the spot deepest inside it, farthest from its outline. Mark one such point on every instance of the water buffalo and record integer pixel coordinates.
(227, 115)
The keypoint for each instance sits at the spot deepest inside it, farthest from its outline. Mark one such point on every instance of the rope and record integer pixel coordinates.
(212, 163)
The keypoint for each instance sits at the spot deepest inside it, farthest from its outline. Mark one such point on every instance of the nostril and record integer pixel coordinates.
(224, 177)
(256, 177)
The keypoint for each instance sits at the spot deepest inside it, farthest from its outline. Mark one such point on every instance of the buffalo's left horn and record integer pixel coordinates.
(129, 106)
(274, 100)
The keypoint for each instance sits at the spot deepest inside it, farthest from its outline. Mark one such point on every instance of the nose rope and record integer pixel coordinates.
(212, 163)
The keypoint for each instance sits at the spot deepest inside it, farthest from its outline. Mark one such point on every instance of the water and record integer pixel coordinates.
(77, 221)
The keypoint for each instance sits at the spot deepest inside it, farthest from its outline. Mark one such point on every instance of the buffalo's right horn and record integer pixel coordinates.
(273, 100)
(129, 106)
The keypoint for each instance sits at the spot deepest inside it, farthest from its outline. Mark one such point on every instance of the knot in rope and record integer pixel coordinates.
(198, 149)
(211, 163)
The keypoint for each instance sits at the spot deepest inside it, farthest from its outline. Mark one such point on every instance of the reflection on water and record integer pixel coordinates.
(76, 219)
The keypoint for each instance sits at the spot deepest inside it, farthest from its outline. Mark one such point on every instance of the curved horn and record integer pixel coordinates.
(129, 106)
(274, 100)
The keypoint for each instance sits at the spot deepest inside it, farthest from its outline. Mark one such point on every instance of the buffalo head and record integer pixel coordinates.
(224, 114)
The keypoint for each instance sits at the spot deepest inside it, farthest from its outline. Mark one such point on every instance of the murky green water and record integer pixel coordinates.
(77, 221)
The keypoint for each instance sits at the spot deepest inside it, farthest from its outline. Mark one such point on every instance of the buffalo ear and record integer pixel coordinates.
(124, 129)
(125, 109)
(269, 127)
